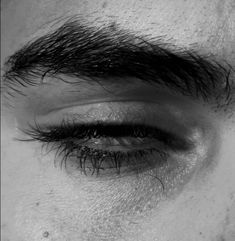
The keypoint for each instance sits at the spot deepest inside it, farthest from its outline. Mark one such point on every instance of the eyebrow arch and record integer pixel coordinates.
(79, 50)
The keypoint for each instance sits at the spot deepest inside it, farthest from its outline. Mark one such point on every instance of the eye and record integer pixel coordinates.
(109, 148)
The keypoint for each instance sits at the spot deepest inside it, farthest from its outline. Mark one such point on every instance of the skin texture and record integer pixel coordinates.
(40, 202)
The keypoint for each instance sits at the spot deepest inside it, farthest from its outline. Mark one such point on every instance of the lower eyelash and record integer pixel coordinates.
(84, 156)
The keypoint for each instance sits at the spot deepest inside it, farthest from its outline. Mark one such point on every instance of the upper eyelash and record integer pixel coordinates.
(68, 130)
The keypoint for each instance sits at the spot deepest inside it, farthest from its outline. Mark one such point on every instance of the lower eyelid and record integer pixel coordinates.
(132, 160)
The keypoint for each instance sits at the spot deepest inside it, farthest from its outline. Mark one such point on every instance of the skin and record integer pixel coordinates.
(41, 202)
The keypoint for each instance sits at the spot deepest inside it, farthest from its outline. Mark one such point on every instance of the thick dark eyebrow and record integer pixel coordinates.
(78, 50)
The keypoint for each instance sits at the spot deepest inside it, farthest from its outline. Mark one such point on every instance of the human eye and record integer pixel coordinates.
(98, 146)
(151, 143)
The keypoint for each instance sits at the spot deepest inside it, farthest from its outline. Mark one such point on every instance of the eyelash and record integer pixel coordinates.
(62, 139)
(97, 157)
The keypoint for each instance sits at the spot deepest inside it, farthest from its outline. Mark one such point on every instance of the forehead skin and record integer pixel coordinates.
(204, 25)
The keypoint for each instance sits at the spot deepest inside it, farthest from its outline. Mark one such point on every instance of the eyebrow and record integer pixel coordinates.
(79, 50)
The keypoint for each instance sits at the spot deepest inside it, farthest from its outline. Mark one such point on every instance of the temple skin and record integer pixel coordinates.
(40, 202)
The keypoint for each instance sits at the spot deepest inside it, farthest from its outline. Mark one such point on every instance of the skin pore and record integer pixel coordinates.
(43, 202)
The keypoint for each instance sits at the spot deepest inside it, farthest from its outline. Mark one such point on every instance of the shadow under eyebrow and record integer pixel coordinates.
(78, 50)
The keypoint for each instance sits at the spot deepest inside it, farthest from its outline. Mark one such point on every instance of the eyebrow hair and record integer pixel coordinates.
(79, 50)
